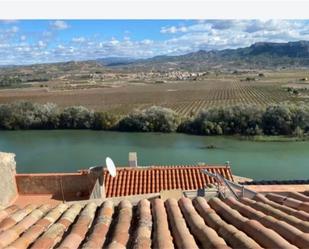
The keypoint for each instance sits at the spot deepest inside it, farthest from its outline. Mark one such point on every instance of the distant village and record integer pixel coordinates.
(155, 77)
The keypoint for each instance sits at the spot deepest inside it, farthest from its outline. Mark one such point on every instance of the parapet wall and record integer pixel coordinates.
(61, 186)
(8, 190)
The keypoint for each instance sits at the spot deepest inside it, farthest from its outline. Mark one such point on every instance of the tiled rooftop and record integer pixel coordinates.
(271, 221)
(145, 180)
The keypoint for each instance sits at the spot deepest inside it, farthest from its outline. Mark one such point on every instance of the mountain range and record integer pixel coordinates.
(262, 55)
(258, 55)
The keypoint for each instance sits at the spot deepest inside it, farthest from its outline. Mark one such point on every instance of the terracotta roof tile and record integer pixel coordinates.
(162, 235)
(10, 221)
(38, 228)
(287, 231)
(299, 196)
(146, 180)
(290, 202)
(182, 236)
(143, 233)
(13, 233)
(7, 211)
(54, 234)
(206, 236)
(101, 227)
(290, 219)
(120, 236)
(298, 214)
(232, 236)
(80, 228)
(197, 223)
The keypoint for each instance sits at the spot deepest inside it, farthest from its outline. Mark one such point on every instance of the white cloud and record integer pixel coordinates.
(41, 44)
(79, 39)
(173, 29)
(114, 41)
(13, 29)
(59, 25)
(220, 34)
(16, 47)
(147, 42)
(9, 21)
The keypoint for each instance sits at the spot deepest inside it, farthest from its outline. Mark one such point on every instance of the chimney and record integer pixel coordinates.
(133, 159)
(8, 188)
(98, 191)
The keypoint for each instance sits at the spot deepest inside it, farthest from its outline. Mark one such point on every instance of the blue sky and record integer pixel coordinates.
(43, 41)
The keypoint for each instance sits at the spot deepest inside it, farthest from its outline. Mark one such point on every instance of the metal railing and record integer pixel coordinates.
(232, 187)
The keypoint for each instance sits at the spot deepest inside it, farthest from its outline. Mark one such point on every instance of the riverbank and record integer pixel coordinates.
(286, 119)
(264, 138)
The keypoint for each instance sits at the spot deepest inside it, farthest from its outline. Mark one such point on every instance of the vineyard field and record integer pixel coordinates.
(185, 97)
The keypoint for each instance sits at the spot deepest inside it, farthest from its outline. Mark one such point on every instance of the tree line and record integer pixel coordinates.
(279, 119)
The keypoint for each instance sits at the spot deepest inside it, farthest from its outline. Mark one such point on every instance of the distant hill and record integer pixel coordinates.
(12, 75)
(115, 61)
(258, 55)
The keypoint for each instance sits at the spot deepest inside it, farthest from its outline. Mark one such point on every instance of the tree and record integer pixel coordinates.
(239, 119)
(156, 119)
(277, 120)
(105, 121)
(76, 117)
(27, 115)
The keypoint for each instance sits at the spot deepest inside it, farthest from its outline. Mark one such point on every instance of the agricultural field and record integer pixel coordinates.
(186, 97)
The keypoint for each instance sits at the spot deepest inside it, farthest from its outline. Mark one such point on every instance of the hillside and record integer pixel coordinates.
(259, 55)
(264, 55)
(72, 70)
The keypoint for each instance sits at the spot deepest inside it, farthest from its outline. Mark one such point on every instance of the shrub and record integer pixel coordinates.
(76, 117)
(230, 120)
(27, 115)
(156, 119)
(277, 120)
(280, 119)
(105, 121)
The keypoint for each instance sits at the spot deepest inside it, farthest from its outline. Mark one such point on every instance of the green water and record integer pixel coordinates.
(67, 151)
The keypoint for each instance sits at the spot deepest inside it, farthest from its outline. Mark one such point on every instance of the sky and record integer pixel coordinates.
(46, 41)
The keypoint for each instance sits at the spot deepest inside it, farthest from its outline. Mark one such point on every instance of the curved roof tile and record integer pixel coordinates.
(186, 223)
(146, 180)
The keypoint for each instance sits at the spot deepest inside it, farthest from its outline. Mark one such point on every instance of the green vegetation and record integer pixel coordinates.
(76, 117)
(105, 121)
(253, 121)
(153, 119)
(244, 120)
(284, 119)
(292, 90)
(9, 81)
(26, 115)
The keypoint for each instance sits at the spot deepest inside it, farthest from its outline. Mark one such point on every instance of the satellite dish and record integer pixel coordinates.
(110, 166)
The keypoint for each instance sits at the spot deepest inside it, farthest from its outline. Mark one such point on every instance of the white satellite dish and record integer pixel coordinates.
(110, 166)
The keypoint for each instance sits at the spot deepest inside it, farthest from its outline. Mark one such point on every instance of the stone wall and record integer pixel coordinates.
(8, 190)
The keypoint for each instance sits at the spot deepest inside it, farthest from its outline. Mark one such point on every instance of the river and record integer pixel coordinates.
(70, 150)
